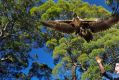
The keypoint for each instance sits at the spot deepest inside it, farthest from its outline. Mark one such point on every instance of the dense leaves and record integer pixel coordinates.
(20, 31)
(40, 71)
(72, 52)
(114, 4)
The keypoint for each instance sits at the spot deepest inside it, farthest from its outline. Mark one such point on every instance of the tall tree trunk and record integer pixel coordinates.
(74, 72)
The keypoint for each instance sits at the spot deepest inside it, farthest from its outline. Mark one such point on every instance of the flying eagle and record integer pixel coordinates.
(84, 28)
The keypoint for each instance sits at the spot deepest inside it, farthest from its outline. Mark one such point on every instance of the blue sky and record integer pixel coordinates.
(99, 3)
(44, 56)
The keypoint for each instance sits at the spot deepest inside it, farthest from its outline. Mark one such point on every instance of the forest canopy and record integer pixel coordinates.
(74, 58)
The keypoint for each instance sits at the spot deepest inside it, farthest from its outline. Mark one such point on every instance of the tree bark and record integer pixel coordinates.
(74, 72)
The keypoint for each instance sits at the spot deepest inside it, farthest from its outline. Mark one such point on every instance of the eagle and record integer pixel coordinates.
(83, 28)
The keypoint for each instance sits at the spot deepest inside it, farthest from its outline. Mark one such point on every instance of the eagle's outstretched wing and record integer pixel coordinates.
(104, 24)
(66, 26)
(64, 21)
(84, 28)
(63, 26)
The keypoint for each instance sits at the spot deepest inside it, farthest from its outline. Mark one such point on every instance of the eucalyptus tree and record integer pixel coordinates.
(40, 71)
(18, 31)
(72, 52)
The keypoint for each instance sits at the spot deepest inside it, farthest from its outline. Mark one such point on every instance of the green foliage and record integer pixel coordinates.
(18, 31)
(108, 41)
(64, 9)
(91, 73)
(114, 4)
(72, 50)
(59, 51)
(51, 43)
(83, 58)
(56, 70)
(40, 71)
(109, 2)
(81, 52)
(23, 28)
(96, 52)
(42, 9)
(52, 12)
(32, 11)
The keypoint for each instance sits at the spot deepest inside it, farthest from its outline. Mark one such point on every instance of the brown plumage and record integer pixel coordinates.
(84, 28)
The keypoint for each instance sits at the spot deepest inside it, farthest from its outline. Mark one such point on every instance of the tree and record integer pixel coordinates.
(78, 53)
(107, 48)
(39, 70)
(114, 4)
(72, 52)
(18, 32)
(68, 55)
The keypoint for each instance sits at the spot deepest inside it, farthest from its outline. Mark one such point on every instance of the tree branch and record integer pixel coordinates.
(1, 32)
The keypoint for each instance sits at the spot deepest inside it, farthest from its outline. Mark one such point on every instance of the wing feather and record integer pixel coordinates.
(64, 21)
(103, 25)
(59, 26)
